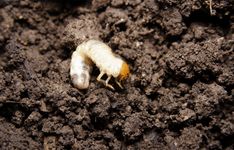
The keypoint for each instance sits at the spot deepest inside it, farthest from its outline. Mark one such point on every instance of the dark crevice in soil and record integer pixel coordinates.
(227, 141)
(8, 110)
(204, 17)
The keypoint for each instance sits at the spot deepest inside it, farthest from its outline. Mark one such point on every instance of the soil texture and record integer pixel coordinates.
(180, 94)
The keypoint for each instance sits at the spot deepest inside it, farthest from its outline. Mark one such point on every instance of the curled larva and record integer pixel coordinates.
(99, 53)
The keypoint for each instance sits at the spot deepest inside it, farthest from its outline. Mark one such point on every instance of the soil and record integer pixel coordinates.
(180, 94)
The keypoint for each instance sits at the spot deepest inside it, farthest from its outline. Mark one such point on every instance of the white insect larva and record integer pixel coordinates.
(96, 52)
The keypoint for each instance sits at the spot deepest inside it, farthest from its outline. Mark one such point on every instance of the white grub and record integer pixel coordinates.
(101, 55)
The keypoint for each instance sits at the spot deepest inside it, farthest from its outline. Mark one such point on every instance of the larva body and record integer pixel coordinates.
(80, 71)
(96, 52)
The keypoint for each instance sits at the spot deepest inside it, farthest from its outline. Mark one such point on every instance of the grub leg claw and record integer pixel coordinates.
(110, 86)
(119, 84)
(107, 83)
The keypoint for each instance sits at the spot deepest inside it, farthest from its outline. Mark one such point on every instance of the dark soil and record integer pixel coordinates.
(180, 94)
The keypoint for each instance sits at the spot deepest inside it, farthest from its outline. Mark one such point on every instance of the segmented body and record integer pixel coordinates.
(96, 52)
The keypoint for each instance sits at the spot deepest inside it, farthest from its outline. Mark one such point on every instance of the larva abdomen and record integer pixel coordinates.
(80, 71)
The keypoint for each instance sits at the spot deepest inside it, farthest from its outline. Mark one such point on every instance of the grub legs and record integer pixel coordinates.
(103, 81)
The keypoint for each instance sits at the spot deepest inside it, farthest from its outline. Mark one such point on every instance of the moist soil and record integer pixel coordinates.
(180, 94)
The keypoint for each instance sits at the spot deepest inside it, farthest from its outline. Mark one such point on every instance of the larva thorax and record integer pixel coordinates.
(102, 56)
